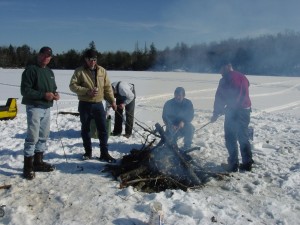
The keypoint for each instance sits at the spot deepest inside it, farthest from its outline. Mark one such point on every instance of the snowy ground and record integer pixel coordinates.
(79, 193)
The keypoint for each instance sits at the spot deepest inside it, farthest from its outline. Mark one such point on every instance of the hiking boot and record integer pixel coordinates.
(28, 172)
(39, 165)
(107, 158)
(88, 154)
(127, 135)
(234, 168)
(115, 134)
(247, 166)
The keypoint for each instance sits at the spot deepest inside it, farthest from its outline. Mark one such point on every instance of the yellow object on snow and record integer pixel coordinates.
(9, 111)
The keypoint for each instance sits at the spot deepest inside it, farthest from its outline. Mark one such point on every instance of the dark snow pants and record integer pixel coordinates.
(89, 111)
(236, 130)
(129, 114)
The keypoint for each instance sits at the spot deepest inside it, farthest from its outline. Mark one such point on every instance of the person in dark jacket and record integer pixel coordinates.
(232, 99)
(92, 85)
(38, 89)
(125, 99)
(177, 115)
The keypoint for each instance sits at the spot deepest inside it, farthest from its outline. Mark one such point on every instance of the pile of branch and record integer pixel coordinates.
(155, 168)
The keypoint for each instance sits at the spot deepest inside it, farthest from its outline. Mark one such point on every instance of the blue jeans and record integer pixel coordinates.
(87, 112)
(236, 130)
(38, 129)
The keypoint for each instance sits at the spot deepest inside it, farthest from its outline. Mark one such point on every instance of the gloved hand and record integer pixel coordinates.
(213, 118)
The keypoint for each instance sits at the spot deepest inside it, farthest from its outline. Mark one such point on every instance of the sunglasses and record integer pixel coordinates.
(92, 59)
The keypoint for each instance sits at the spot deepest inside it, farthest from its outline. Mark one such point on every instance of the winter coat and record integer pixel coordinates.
(82, 81)
(232, 93)
(124, 92)
(174, 112)
(35, 82)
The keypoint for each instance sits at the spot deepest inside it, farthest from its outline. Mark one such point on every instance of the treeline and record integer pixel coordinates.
(265, 55)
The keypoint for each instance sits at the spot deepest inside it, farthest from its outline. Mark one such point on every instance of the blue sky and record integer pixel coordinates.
(121, 24)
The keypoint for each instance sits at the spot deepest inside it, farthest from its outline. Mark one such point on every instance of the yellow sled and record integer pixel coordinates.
(9, 111)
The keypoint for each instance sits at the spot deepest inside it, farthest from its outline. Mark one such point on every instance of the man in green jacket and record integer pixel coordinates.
(92, 85)
(38, 89)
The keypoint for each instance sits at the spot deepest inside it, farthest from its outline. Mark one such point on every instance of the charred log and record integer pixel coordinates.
(155, 168)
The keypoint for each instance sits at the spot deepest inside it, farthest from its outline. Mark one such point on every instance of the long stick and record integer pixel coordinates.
(204, 126)
(145, 129)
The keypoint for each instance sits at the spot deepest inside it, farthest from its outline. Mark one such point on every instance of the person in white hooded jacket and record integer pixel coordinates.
(125, 99)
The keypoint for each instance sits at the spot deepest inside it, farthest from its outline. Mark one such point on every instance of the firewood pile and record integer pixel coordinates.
(155, 168)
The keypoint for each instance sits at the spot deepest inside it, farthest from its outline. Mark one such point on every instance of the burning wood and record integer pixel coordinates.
(156, 168)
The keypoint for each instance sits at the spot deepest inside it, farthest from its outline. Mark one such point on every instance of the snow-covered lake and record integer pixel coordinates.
(79, 193)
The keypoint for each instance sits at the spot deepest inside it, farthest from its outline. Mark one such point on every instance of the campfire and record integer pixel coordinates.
(155, 168)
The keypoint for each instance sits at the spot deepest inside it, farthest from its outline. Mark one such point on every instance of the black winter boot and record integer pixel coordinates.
(105, 156)
(39, 165)
(88, 154)
(247, 166)
(234, 168)
(28, 172)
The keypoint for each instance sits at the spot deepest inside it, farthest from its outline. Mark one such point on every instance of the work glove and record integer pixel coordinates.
(213, 118)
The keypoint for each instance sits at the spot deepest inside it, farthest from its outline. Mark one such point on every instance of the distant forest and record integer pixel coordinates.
(265, 55)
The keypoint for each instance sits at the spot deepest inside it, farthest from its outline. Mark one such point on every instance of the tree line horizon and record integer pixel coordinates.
(277, 55)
